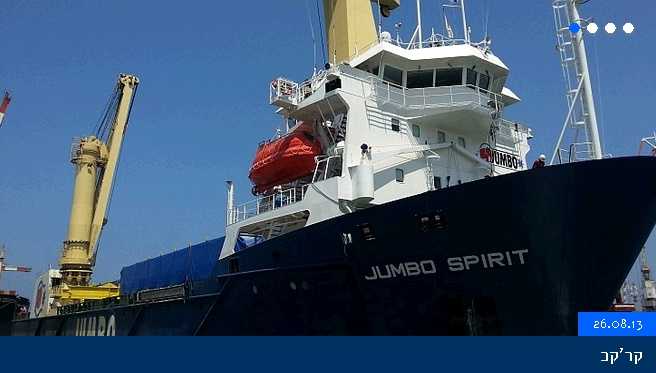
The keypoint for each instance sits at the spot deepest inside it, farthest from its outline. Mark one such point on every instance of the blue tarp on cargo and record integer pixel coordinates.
(193, 263)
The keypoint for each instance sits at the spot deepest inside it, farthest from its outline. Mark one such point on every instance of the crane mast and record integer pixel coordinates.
(350, 27)
(95, 162)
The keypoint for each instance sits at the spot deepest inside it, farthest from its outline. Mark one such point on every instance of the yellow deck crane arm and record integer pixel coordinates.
(128, 85)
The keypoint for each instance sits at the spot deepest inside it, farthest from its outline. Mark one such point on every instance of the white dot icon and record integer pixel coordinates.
(610, 28)
(592, 28)
(628, 27)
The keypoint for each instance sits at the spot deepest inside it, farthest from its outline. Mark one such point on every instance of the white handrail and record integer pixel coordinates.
(424, 96)
(266, 203)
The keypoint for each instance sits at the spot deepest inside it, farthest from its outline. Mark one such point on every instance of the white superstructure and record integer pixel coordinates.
(397, 120)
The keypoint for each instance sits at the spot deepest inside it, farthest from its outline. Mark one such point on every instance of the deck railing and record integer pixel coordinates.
(429, 97)
(266, 203)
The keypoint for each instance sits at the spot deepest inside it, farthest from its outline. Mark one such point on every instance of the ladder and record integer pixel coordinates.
(579, 144)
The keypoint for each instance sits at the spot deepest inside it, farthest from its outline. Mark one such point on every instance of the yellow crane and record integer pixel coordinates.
(95, 159)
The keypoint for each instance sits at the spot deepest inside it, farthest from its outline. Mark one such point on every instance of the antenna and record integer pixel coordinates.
(314, 39)
(464, 21)
(447, 27)
(419, 22)
(465, 28)
(397, 27)
(380, 18)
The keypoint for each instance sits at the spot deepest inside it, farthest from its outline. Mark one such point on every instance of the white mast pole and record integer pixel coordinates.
(588, 100)
(419, 22)
(464, 21)
(231, 202)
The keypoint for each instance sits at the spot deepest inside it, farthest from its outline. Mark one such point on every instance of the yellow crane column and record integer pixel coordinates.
(88, 155)
(350, 27)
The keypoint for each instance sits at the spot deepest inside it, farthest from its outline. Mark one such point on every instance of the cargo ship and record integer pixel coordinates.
(398, 201)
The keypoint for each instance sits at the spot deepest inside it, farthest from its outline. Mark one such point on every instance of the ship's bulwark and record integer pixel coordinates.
(11, 306)
(519, 254)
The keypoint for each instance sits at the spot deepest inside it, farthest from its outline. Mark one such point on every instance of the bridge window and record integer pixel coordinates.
(416, 130)
(446, 77)
(461, 142)
(471, 77)
(484, 81)
(400, 176)
(334, 167)
(437, 182)
(441, 137)
(419, 78)
(393, 75)
(396, 126)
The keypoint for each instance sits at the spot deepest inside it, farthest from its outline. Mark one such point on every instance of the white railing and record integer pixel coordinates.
(283, 89)
(327, 167)
(266, 203)
(510, 133)
(509, 125)
(422, 98)
(307, 87)
(573, 154)
(76, 148)
(438, 40)
(431, 43)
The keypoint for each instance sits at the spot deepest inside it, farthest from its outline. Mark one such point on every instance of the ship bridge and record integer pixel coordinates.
(394, 120)
(438, 64)
(460, 82)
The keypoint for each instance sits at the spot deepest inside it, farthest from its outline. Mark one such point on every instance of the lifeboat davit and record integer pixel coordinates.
(284, 160)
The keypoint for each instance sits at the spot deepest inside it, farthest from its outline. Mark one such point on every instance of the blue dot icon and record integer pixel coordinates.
(574, 28)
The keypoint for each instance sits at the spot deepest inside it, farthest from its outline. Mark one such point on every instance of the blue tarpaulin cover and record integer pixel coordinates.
(193, 263)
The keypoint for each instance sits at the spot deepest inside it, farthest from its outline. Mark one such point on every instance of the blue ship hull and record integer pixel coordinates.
(519, 254)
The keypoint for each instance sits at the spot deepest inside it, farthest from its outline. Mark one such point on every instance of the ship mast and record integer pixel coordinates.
(581, 119)
(465, 27)
(8, 268)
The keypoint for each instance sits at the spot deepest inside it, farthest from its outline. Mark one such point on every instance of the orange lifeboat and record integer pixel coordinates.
(284, 160)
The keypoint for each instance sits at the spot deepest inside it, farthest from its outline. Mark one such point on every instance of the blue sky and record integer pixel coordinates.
(202, 105)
